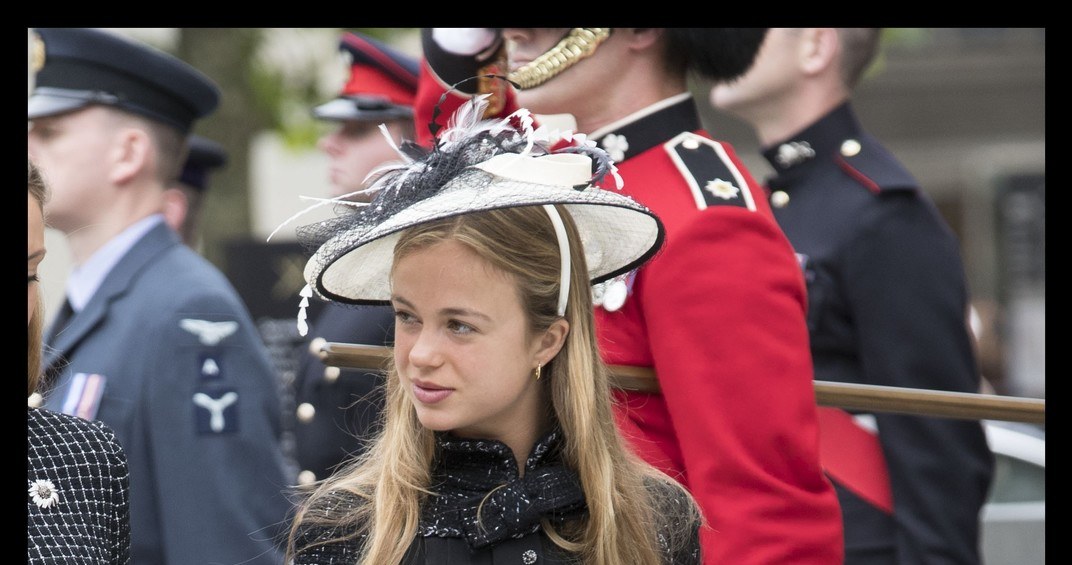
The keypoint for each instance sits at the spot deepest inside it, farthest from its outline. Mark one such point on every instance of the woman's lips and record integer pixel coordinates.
(427, 393)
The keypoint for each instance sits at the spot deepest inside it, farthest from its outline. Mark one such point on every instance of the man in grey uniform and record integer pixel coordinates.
(152, 339)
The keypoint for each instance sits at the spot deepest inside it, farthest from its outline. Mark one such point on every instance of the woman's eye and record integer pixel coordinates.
(404, 317)
(32, 279)
(459, 327)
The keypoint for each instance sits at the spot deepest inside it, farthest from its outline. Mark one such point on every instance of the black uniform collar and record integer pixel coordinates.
(649, 127)
(798, 154)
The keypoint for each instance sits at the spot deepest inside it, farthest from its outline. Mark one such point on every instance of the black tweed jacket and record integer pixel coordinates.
(482, 474)
(77, 502)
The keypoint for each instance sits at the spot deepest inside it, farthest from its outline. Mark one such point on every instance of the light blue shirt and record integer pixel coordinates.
(86, 278)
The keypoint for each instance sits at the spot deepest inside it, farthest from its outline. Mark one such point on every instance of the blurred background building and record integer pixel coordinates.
(964, 108)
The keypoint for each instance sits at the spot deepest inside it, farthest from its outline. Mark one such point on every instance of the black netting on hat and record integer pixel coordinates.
(428, 172)
(476, 165)
(400, 188)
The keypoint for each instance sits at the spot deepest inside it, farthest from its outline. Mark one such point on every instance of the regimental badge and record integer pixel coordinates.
(38, 53)
(709, 172)
(215, 411)
(615, 145)
(794, 152)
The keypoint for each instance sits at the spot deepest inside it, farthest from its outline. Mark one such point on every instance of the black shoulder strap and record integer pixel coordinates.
(714, 178)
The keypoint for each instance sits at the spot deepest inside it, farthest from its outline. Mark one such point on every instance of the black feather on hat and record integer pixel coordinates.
(477, 165)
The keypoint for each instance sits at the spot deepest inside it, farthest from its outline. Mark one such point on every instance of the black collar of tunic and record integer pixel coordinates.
(655, 128)
(824, 138)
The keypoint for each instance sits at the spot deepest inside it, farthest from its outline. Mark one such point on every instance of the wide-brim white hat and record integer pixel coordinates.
(618, 234)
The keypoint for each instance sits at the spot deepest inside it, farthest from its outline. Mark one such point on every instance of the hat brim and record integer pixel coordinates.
(617, 233)
(53, 101)
(349, 109)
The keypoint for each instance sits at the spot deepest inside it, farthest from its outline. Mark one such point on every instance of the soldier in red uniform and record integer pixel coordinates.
(720, 313)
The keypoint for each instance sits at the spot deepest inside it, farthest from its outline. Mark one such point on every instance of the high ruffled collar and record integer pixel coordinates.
(480, 478)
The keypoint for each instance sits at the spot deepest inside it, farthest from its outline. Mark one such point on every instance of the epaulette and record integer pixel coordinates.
(869, 163)
(715, 180)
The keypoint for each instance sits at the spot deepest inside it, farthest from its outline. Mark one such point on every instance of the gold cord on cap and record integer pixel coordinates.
(579, 43)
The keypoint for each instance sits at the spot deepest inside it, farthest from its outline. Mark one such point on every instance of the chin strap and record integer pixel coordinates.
(579, 43)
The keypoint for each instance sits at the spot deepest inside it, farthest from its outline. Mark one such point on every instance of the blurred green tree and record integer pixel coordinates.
(270, 78)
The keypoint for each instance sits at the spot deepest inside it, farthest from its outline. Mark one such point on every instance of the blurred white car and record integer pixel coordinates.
(1014, 517)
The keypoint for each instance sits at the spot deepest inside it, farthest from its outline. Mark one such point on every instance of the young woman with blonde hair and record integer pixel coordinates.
(499, 443)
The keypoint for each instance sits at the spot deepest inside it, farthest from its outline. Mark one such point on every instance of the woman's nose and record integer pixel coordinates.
(424, 352)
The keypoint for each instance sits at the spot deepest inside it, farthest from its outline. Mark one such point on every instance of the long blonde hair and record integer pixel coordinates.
(392, 477)
(39, 191)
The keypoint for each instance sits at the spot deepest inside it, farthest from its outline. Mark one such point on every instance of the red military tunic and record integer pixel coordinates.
(720, 315)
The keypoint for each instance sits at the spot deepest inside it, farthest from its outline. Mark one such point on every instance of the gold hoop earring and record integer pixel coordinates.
(537, 370)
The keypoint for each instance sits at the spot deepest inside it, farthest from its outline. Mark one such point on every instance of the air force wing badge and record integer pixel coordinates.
(209, 333)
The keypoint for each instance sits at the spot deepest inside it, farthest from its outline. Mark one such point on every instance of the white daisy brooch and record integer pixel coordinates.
(44, 493)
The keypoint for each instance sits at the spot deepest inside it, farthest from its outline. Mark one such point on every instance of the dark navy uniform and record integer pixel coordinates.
(887, 305)
(163, 351)
(338, 409)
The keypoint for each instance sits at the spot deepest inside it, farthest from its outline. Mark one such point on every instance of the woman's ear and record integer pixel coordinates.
(552, 340)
